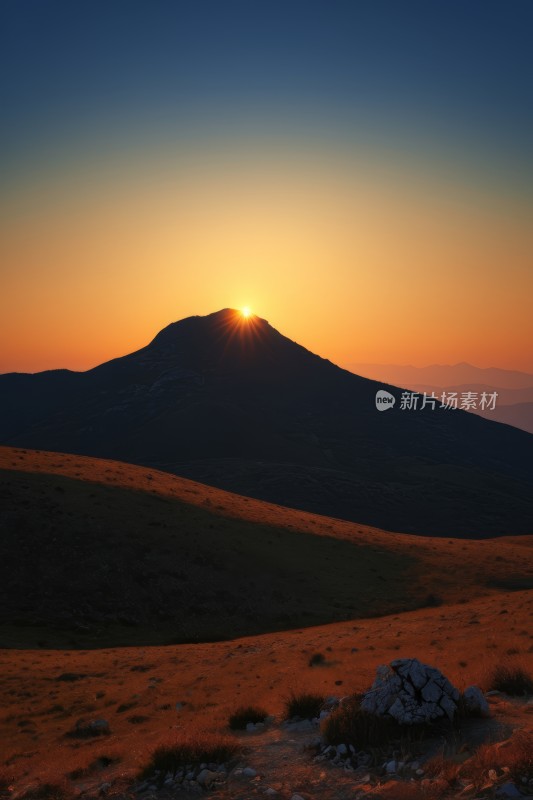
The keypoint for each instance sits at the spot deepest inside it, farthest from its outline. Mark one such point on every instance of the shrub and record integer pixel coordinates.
(519, 755)
(46, 791)
(305, 705)
(190, 751)
(317, 660)
(245, 714)
(476, 769)
(512, 680)
(408, 791)
(516, 754)
(443, 768)
(89, 730)
(349, 724)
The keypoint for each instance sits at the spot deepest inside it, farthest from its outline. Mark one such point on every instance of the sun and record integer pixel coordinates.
(246, 312)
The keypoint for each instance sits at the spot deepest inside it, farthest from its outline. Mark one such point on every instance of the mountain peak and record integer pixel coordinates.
(217, 326)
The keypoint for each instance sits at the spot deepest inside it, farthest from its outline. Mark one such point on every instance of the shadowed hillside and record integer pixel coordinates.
(233, 403)
(101, 552)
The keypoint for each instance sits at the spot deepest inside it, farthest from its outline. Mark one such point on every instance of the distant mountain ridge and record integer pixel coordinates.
(514, 390)
(233, 403)
(444, 375)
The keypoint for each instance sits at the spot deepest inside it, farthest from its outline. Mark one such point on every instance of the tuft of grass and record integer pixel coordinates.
(519, 755)
(408, 791)
(445, 769)
(245, 714)
(305, 705)
(317, 660)
(189, 751)
(511, 679)
(516, 754)
(89, 730)
(138, 719)
(99, 764)
(350, 724)
(47, 791)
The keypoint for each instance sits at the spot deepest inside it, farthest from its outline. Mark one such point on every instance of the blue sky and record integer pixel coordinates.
(457, 73)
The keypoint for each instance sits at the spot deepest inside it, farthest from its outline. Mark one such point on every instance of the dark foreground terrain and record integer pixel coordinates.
(98, 552)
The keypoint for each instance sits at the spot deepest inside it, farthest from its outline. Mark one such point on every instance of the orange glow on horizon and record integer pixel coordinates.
(356, 262)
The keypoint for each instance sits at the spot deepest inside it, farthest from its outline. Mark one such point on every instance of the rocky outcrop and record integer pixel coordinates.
(411, 693)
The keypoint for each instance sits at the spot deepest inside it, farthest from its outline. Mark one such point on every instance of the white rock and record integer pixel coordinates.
(206, 777)
(431, 692)
(417, 674)
(448, 706)
(249, 772)
(342, 750)
(410, 692)
(301, 726)
(475, 701)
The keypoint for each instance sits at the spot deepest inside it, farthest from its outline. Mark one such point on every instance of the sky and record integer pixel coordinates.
(358, 173)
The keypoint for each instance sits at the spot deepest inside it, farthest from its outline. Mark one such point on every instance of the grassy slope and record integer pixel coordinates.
(136, 689)
(105, 553)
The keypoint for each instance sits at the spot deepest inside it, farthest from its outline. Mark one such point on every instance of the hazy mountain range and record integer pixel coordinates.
(235, 404)
(514, 405)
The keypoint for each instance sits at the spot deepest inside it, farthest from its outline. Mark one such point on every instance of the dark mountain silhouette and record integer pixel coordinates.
(233, 403)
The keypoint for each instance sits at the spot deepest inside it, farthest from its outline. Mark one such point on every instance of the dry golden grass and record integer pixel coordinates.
(43, 692)
(189, 750)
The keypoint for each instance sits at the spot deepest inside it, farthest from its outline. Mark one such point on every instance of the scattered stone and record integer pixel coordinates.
(508, 790)
(206, 777)
(476, 702)
(301, 726)
(249, 772)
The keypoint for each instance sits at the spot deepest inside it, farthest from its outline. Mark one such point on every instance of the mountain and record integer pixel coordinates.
(233, 403)
(518, 414)
(444, 375)
(514, 390)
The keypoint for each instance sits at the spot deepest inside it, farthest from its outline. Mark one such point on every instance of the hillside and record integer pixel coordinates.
(98, 552)
(151, 695)
(233, 403)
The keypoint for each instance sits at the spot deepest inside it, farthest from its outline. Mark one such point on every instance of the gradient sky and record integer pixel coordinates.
(358, 173)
